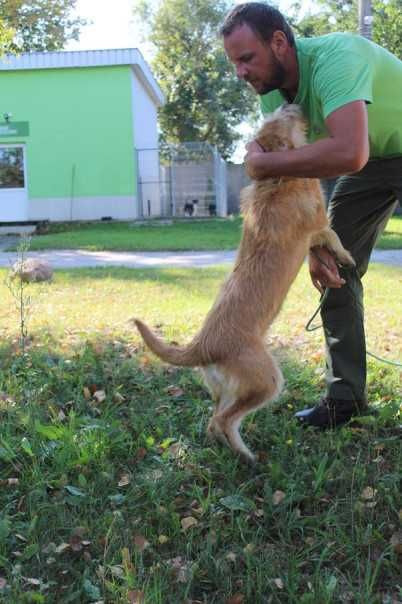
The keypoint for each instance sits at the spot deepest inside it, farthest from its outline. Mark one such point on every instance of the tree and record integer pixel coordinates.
(6, 36)
(40, 24)
(342, 15)
(204, 100)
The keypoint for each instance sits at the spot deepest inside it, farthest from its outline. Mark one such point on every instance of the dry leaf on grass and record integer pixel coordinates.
(396, 542)
(175, 391)
(188, 522)
(278, 497)
(368, 493)
(237, 598)
(125, 479)
(140, 542)
(99, 396)
(60, 549)
(135, 597)
(180, 569)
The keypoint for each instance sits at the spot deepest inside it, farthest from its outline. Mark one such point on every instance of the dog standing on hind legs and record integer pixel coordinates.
(283, 218)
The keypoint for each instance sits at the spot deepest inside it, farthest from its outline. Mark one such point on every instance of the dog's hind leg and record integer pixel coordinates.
(259, 382)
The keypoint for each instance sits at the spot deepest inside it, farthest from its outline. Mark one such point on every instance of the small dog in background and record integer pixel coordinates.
(190, 208)
(283, 218)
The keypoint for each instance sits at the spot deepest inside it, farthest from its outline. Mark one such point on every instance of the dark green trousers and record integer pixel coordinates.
(359, 207)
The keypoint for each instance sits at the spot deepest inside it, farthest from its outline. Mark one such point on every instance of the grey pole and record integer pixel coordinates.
(365, 18)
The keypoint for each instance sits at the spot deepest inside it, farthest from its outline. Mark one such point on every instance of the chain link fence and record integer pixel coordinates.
(185, 180)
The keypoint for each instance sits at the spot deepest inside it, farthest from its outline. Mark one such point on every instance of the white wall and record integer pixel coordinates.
(145, 120)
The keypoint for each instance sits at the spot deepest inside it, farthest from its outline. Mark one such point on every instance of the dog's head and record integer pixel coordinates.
(283, 129)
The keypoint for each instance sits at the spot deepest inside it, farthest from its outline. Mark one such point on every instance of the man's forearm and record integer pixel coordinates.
(325, 158)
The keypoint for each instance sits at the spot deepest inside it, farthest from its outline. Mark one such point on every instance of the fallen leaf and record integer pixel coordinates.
(135, 597)
(32, 581)
(62, 548)
(396, 542)
(188, 522)
(76, 543)
(249, 548)
(87, 393)
(279, 583)
(118, 398)
(140, 542)
(368, 493)
(141, 453)
(125, 479)
(180, 569)
(117, 571)
(175, 391)
(99, 396)
(237, 598)
(278, 497)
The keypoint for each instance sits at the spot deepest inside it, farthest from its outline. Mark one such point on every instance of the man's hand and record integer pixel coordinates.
(252, 159)
(323, 269)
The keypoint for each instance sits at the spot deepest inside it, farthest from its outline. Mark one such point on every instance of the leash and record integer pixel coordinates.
(309, 327)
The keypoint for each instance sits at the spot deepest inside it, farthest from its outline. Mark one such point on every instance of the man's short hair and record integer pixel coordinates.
(262, 18)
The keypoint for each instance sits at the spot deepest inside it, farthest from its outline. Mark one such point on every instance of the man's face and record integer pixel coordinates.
(254, 60)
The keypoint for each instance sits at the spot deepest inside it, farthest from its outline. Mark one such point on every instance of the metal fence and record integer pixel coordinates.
(185, 180)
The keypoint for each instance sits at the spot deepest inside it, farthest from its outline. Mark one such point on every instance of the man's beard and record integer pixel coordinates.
(275, 82)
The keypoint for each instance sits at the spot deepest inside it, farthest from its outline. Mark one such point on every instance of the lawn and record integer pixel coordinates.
(212, 234)
(111, 493)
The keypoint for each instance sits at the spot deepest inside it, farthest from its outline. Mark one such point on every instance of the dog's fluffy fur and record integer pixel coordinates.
(282, 219)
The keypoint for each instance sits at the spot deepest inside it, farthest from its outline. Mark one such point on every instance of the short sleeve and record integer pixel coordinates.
(341, 78)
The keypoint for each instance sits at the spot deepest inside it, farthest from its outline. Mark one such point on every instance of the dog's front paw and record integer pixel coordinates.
(344, 257)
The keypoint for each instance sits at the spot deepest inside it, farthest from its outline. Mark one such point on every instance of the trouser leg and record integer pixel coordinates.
(358, 210)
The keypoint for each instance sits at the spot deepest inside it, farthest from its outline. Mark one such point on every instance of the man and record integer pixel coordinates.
(350, 91)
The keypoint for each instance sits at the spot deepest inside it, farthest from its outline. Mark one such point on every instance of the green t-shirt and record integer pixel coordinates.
(339, 68)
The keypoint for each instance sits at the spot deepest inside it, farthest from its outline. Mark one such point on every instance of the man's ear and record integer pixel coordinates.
(279, 44)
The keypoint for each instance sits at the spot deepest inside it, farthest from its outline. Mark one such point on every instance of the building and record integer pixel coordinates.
(71, 128)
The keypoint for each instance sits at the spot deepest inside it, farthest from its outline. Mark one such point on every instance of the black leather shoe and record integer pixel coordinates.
(332, 412)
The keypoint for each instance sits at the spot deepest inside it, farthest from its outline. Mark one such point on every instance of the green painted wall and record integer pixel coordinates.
(81, 117)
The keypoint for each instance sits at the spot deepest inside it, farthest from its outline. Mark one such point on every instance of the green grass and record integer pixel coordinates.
(93, 492)
(213, 234)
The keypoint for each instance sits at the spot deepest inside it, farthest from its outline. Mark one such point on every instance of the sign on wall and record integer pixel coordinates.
(14, 129)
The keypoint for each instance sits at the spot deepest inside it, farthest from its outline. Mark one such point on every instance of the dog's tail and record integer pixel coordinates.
(175, 355)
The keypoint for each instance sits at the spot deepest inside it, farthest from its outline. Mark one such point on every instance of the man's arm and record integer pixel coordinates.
(344, 151)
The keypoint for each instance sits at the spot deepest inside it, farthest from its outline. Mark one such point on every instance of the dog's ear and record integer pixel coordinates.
(283, 129)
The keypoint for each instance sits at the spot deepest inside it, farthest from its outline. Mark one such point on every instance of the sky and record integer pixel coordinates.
(112, 25)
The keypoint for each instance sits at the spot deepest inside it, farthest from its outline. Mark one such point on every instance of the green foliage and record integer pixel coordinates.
(39, 24)
(204, 100)
(6, 36)
(342, 15)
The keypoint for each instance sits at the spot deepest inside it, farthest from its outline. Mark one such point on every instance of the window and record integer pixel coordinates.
(12, 168)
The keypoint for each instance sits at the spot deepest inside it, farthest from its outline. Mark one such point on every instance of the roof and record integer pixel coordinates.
(87, 58)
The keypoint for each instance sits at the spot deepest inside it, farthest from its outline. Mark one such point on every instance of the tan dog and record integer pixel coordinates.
(282, 219)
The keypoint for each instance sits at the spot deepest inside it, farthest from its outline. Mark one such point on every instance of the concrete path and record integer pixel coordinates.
(81, 258)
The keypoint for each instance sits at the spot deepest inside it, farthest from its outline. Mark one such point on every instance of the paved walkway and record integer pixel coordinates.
(81, 258)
